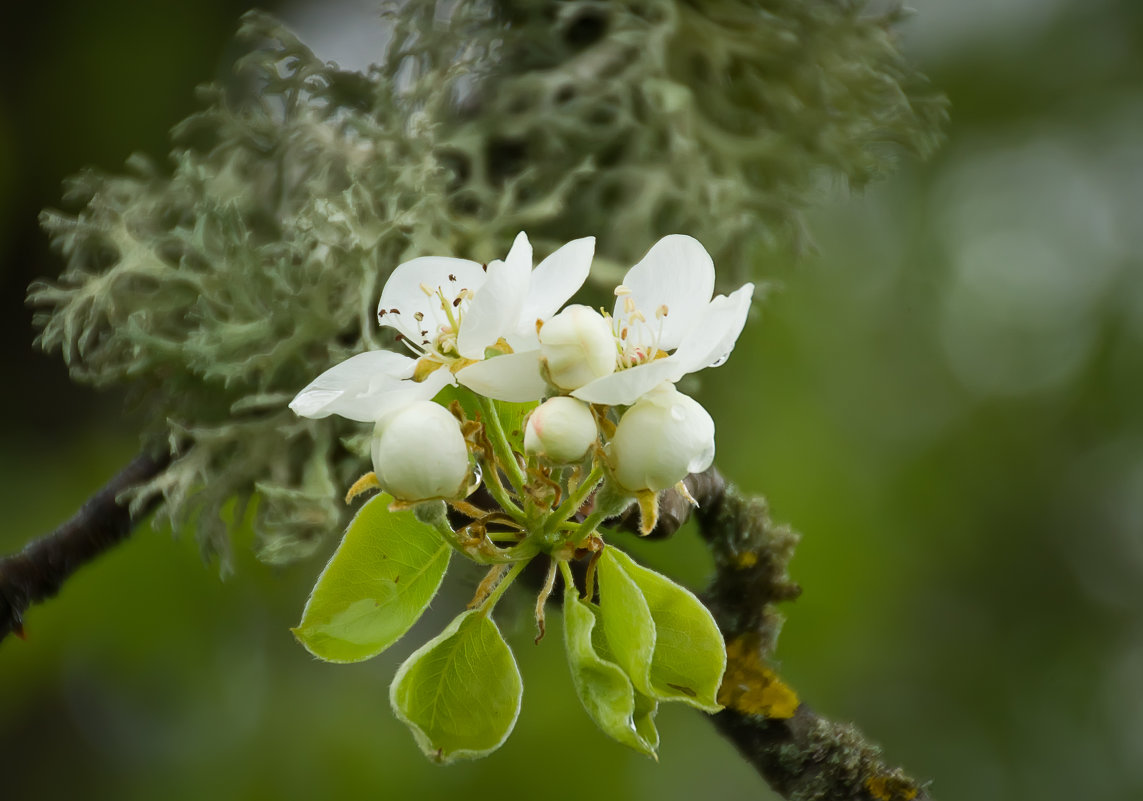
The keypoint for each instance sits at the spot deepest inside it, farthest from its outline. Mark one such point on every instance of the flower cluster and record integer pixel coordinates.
(565, 416)
(499, 331)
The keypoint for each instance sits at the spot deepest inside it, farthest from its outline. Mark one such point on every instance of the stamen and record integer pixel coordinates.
(418, 316)
(456, 302)
(621, 290)
(428, 292)
(661, 312)
(381, 313)
(451, 277)
(629, 305)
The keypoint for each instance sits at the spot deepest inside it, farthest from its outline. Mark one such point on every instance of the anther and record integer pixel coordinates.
(621, 290)
(456, 302)
(421, 315)
(451, 277)
(629, 304)
(381, 312)
(661, 312)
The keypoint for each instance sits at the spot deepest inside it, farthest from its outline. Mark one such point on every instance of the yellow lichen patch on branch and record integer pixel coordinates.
(752, 688)
(746, 560)
(891, 787)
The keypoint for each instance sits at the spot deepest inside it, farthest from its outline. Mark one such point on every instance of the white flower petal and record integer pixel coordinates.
(359, 388)
(404, 294)
(678, 273)
(624, 387)
(713, 338)
(513, 377)
(555, 280)
(495, 310)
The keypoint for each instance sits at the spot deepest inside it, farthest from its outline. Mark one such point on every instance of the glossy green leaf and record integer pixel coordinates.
(378, 583)
(460, 692)
(688, 655)
(626, 621)
(603, 687)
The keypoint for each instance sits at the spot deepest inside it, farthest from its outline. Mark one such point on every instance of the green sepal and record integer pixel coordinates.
(460, 692)
(603, 687)
(660, 633)
(379, 582)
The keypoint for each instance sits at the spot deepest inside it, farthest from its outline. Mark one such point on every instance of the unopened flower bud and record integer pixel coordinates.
(660, 440)
(419, 453)
(560, 430)
(578, 346)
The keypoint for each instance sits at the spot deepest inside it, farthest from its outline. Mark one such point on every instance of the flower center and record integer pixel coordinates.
(636, 339)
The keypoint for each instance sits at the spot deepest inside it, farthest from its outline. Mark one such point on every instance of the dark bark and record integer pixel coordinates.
(37, 572)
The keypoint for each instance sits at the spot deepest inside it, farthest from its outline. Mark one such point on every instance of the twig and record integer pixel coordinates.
(800, 754)
(37, 572)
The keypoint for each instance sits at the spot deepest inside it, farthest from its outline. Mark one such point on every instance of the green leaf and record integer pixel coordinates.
(460, 692)
(379, 582)
(603, 687)
(688, 655)
(626, 621)
(512, 417)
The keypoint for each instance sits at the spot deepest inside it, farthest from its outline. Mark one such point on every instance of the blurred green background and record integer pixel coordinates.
(945, 401)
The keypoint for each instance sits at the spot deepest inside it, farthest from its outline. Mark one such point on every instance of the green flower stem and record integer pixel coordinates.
(500, 494)
(565, 570)
(591, 523)
(494, 596)
(482, 551)
(575, 500)
(504, 454)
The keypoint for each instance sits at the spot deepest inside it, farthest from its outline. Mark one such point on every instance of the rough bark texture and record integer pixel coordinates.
(37, 572)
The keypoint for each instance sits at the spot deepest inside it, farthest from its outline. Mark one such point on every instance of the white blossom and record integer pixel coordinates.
(450, 314)
(419, 453)
(577, 347)
(665, 324)
(560, 430)
(660, 440)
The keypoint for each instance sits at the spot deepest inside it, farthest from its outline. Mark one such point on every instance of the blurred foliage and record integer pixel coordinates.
(221, 290)
(955, 429)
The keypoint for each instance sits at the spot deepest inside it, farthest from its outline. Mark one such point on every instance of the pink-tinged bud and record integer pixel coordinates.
(560, 430)
(419, 453)
(578, 347)
(660, 440)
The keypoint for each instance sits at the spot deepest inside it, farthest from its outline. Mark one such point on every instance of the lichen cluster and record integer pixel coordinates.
(214, 290)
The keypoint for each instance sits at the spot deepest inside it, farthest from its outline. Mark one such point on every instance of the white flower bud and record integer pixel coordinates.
(560, 430)
(419, 453)
(578, 346)
(660, 440)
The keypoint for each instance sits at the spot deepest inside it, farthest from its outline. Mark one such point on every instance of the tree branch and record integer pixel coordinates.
(801, 755)
(37, 572)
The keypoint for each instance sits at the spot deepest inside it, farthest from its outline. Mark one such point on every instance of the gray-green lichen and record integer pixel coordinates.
(218, 288)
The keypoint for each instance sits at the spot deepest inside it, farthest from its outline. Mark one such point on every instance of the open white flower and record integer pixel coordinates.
(665, 325)
(450, 313)
(665, 322)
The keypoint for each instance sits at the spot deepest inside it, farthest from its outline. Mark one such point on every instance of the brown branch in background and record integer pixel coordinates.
(37, 572)
(801, 755)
